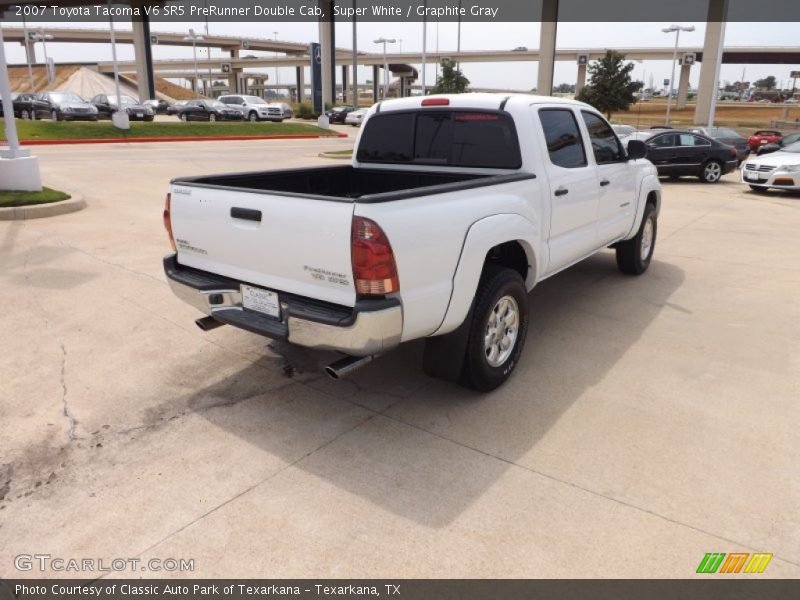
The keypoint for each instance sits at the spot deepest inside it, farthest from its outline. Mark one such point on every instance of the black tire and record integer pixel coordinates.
(711, 171)
(630, 258)
(496, 283)
(212, 118)
(54, 115)
(758, 188)
(150, 119)
(184, 117)
(253, 116)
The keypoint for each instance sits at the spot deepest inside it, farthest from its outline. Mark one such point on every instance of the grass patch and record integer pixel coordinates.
(67, 130)
(340, 152)
(18, 198)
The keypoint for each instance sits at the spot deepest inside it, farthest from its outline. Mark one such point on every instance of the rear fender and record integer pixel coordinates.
(481, 237)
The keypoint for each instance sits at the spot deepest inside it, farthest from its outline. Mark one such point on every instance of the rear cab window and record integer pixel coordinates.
(446, 137)
(563, 138)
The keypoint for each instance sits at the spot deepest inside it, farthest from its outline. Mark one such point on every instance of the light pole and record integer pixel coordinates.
(41, 36)
(27, 53)
(385, 41)
(677, 29)
(277, 75)
(424, 42)
(192, 37)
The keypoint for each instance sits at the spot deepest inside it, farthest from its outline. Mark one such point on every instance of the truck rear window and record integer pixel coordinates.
(454, 138)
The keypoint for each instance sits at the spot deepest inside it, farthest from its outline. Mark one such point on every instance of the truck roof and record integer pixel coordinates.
(480, 100)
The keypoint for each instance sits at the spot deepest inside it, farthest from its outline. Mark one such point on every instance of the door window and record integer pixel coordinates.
(663, 141)
(605, 145)
(564, 143)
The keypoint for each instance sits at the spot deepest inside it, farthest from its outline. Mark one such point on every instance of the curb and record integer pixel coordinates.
(38, 211)
(198, 138)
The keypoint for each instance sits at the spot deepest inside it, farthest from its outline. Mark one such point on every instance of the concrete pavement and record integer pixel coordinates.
(651, 419)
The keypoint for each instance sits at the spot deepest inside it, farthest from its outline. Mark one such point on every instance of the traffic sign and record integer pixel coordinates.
(583, 59)
(245, 44)
(795, 75)
(689, 58)
(154, 40)
(226, 67)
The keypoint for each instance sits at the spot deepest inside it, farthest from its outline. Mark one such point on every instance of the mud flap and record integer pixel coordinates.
(443, 357)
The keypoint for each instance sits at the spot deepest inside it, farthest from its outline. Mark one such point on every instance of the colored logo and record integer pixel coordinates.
(735, 562)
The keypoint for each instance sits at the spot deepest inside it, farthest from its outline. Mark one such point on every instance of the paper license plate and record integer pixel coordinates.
(139, 114)
(260, 300)
(751, 175)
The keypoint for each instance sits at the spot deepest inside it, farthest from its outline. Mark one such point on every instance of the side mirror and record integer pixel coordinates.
(636, 149)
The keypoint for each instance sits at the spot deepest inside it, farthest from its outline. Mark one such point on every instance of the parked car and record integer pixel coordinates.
(175, 108)
(158, 106)
(786, 140)
(68, 106)
(759, 138)
(106, 105)
(28, 106)
(356, 117)
(677, 153)
(372, 264)
(623, 131)
(726, 135)
(288, 111)
(209, 110)
(254, 108)
(520, 49)
(779, 169)
(338, 114)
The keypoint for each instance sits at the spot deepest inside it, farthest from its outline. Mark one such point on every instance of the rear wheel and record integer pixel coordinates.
(54, 115)
(712, 171)
(212, 118)
(24, 115)
(184, 117)
(497, 330)
(634, 255)
(253, 117)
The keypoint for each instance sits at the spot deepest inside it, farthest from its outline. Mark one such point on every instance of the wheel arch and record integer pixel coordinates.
(505, 239)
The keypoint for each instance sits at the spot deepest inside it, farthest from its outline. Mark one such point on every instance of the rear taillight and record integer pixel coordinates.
(374, 268)
(733, 153)
(168, 222)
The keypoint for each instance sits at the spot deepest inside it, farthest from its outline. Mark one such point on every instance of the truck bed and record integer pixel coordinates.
(348, 184)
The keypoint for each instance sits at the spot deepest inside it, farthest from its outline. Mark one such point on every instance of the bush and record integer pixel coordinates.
(305, 111)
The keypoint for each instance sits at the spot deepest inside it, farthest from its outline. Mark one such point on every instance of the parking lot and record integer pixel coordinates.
(651, 420)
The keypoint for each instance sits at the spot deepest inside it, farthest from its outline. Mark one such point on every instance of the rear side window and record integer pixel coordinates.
(605, 145)
(442, 137)
(563, 138)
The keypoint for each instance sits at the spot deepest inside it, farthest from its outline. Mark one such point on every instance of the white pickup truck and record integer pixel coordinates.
(453, 209)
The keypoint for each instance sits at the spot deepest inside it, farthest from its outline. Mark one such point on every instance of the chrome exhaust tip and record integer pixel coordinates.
(348, 364)
(208, 323)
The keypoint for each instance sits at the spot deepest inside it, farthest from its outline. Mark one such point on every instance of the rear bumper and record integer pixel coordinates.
(371, 327)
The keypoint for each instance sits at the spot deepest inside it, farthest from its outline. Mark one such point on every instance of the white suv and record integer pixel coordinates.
(254, 108)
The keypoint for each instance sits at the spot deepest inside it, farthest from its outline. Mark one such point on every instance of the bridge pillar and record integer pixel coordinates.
(375, 83)
(581, 79)
(344, 84)
(327, 42)
(235, 75)
(547, 47)
(30, 51)
(709, 71)
(683, 86)
(145, 80)
(301, 84)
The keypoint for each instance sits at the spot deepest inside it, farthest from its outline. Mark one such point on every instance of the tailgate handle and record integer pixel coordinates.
(249, 214)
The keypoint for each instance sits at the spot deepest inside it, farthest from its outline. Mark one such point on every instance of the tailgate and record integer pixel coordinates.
(283, 243)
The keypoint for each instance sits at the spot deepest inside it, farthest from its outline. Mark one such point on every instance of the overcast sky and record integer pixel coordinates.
(474, 36)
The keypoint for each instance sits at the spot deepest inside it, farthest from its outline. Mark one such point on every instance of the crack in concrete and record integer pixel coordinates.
(66, 412)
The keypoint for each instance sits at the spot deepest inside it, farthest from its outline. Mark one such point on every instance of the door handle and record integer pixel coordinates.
(247, 214)
(604, 182)
(561, 191)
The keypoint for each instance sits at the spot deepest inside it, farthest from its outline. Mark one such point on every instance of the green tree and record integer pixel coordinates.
(767, 83)
(451, 80)
(610, 87)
